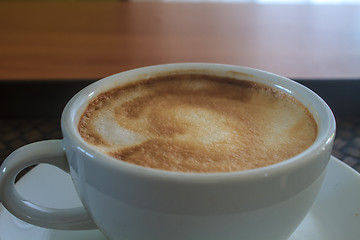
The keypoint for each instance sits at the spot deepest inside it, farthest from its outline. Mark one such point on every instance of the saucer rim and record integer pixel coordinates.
(335, 166)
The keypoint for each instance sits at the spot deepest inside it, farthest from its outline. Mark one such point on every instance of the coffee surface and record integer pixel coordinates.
(197, 123)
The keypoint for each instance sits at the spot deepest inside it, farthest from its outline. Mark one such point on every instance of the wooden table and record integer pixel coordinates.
(90, 40)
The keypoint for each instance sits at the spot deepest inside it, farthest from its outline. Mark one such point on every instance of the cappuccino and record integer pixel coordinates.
(197, 123)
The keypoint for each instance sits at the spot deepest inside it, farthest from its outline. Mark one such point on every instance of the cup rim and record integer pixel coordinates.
(322, 114)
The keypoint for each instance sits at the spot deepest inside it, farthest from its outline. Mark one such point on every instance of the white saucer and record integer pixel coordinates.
(334, 215)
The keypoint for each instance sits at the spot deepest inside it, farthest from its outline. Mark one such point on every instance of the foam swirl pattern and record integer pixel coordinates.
(197, 123)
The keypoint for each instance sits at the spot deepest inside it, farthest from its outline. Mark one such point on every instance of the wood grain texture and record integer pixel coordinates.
(91, 40)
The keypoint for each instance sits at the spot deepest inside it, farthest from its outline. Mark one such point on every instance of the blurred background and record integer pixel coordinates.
(51, 49)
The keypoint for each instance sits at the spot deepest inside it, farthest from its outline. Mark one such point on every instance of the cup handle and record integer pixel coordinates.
(50, 152)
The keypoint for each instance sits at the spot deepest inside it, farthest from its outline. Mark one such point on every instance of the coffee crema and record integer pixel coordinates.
(197, 123)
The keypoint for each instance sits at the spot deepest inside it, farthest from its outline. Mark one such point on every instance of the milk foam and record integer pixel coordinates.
(198, 123)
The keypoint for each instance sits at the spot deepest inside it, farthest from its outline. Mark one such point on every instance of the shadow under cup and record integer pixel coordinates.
(127, 201)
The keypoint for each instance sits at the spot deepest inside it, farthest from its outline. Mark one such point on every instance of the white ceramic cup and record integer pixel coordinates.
(127, 201)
